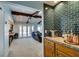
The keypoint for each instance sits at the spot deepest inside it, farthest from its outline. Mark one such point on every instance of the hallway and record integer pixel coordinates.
(26, 47)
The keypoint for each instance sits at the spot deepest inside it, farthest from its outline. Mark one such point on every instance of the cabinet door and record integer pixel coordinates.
(60, 54)
(67, 51)
(48, 51)
(48, 48)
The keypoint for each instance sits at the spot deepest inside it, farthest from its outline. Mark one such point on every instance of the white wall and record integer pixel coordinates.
(1, 33)
(16, 28)
(9, 20)
(5, 20)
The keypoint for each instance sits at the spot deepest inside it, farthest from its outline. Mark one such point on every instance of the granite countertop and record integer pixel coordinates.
(60, 40)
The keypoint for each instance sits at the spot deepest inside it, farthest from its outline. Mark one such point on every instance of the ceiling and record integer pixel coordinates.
(30, 7)
(33, 4)
(23, 19)
(51, 3)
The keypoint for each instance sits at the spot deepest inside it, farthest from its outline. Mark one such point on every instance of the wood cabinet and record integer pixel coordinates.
(53, 49)
(60, 54)
(66, 51)
(48, 48)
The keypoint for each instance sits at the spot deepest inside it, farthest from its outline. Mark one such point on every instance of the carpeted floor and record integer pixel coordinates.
(26, 47)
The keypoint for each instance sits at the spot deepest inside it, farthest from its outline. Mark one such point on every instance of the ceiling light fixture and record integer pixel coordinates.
(55, 2)
(46, 8)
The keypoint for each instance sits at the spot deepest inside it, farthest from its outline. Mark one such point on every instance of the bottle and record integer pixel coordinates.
(75, 39)
(71, 37)
(78, 39)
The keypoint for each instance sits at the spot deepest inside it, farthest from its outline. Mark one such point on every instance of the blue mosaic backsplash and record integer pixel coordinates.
(49, 19)
(64, 17)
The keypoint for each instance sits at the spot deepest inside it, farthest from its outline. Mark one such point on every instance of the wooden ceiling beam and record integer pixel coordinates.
(35, 13)
(26, 14)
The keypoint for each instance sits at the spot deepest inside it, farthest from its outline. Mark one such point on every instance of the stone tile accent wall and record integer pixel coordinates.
(64, 16)
(49, 18)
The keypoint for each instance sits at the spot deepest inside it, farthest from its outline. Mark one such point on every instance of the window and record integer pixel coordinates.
(32, 28)
(24, 31)
(39, 28)
(29, 32)
(20, 31)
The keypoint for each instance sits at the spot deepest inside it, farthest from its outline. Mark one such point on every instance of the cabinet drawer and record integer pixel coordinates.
(48, 42)
(61, 54)
(48, 52)
(67, 51)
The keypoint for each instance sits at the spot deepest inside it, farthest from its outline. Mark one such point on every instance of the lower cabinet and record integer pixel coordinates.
(48, 48)
(60, 54)
(66, 51)
(52, 49)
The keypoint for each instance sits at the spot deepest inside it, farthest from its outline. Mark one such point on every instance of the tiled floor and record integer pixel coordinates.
(26, 47)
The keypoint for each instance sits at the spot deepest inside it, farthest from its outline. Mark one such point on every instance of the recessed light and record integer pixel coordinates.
(46, 8)
(55, 1)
